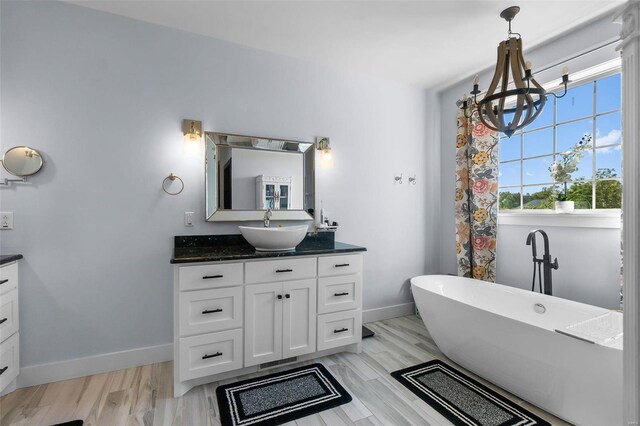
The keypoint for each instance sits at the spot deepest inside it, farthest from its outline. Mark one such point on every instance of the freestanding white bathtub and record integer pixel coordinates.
(498, 332)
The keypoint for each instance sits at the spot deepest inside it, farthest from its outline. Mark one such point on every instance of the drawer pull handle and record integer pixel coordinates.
(344, 293)
(2, 370)
(4, 281)
(341, 330)
(2, 320)
(211, 311)
(212, 355)
(208, 277)
(288, 296)
(342, 265)
(279, 297)
(284, 270)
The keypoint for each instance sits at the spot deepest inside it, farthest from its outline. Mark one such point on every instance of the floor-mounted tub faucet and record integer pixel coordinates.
(545, 262)
(267, 217)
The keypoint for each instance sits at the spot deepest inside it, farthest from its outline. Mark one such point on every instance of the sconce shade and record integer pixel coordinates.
(192, 129)
(324, 146)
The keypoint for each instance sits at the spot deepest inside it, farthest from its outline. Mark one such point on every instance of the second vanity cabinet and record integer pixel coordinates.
(9, 327)
(235, 318)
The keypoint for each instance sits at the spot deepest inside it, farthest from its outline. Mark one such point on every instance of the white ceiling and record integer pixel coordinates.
(426, 43)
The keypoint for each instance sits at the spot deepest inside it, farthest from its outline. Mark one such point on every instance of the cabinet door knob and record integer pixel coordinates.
(211, 311)
(4, 281)
(279, 296)
(341, 330)
(344, 293)
(342, 265)
(2, 320)
(284, 270)
(212, 355)
(287, 296)
(208, 277)
(2, 370)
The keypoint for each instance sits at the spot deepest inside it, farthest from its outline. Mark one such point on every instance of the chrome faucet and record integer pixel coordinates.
(267, 218)
(545, 262)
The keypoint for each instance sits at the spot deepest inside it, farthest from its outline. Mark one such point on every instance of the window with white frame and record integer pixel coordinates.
(590, 110)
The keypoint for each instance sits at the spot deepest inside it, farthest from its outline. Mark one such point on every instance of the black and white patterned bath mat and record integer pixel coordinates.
(461, 399)
(281, 397)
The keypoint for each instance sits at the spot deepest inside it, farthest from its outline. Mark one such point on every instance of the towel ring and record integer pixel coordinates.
(172, 177)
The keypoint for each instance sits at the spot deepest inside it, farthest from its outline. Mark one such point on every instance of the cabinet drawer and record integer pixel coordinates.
(209, 354)
(210, 276)
(9, 360)
(8, 314)
(280, 270)
(339, 329)
(339, 293)
(204, 311)
(339, 265)
(8, 277)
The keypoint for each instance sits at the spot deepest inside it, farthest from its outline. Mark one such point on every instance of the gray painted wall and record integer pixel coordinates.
(103, 97)
(589, 258)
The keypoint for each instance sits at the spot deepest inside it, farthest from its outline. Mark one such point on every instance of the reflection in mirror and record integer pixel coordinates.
(246, 175)
(22, 161)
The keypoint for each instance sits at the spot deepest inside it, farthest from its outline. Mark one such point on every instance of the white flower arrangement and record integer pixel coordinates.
(562, 169)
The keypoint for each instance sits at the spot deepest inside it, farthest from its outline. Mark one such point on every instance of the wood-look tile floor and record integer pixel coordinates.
(143, 395)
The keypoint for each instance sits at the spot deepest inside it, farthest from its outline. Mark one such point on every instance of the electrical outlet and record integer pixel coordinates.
(188, 218)
(6, 220)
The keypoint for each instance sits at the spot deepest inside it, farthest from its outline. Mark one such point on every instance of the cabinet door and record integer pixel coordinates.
(9, 360)
(270, 197)
(299, 318)
(263, 323)
(283, 198)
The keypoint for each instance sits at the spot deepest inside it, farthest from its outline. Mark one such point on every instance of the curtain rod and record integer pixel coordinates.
(593, 49)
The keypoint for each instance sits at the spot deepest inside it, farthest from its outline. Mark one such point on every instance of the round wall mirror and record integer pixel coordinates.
(22, 161)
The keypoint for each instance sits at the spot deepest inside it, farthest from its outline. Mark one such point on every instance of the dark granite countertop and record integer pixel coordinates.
(212, 248)
(6, 258)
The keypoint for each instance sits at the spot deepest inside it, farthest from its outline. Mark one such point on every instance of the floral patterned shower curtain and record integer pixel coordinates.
(476, 198)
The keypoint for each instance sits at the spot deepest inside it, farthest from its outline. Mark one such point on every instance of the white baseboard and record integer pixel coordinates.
(388, 312)
(79, 367)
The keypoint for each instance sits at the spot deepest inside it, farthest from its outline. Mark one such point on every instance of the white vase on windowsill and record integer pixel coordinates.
(565, 207)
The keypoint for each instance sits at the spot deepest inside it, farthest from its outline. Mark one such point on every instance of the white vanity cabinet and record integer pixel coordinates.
(235, 318)
(9, 327)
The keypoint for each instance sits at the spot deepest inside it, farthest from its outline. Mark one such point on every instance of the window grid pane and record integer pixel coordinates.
(598, 173)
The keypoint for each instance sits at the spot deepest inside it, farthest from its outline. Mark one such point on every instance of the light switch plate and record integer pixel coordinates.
(6, 220)
(188, 218)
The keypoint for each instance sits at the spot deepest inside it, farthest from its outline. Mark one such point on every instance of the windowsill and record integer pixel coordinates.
(607, 219)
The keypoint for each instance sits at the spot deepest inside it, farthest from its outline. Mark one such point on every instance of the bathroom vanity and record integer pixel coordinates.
(239, 311)
(9, 323)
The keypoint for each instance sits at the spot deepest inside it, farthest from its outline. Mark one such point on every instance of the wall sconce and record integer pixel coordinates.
(192, 131)
(323, 144)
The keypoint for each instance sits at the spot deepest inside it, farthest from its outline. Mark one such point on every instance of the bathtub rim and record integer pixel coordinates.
(512, 290)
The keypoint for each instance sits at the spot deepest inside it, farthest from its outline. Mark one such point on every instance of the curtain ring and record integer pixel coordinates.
(172, 177)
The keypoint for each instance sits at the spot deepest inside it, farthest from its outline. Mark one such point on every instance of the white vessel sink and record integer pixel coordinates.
(274, 239)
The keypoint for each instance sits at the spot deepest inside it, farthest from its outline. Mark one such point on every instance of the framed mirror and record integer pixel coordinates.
(246, 175)
(22, 161)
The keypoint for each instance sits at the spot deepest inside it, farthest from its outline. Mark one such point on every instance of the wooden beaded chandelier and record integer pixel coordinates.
(514, 98)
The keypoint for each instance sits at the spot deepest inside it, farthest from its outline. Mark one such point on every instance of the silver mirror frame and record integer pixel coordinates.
(23, 175)
(222, 215)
